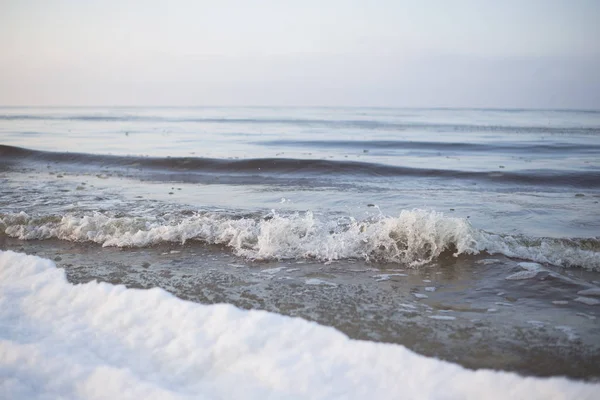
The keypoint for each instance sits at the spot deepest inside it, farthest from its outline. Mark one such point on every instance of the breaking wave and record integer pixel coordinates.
(413, 238)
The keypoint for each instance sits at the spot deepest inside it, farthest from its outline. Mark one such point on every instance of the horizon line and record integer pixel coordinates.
(316, 106)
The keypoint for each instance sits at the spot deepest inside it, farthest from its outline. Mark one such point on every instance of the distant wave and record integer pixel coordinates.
(338, 124)
(414, 237)
(435, 146)
(190, 169)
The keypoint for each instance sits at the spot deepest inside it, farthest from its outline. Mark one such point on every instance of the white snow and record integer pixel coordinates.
(99, 341)
(430, 289)
(420, 295)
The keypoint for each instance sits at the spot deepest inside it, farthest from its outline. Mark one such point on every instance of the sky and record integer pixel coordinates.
(421, 53)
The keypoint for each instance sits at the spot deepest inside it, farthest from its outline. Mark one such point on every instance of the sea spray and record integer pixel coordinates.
(414, 237)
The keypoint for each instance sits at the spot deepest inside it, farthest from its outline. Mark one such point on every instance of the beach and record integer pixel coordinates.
(464, 235)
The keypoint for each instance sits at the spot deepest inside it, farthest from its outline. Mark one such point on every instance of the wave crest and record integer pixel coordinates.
(414, 237)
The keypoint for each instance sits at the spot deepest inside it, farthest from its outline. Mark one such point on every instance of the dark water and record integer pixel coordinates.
(195, 170)
(441, 228)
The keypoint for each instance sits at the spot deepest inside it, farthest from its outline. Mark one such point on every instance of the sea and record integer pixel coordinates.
(466, 235)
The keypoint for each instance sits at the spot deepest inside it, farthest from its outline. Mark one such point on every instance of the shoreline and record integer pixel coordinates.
(381, 303)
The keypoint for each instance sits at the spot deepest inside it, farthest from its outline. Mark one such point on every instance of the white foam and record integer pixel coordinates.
(517, 276)
(99, 341)
(567, 330)
(430, 289)
(385, 277)
(531, 271)
(319, 282)
(442, 317)
(536, 323)
(413, 237)
(544, 250)
(587, 300)
(488, 261)
(272, 271)
(412, 307)
(588, 316)
(530, 266)
(590, 292)
(420, 295)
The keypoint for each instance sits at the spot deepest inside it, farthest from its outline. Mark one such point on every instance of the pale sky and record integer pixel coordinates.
(413, 53)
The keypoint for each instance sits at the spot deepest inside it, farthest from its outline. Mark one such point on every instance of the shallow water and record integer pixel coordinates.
(404, 226)
(462, 310)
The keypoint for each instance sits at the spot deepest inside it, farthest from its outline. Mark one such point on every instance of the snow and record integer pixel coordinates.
(100, 341)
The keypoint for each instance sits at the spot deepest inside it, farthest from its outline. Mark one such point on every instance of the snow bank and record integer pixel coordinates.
(100, 341)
